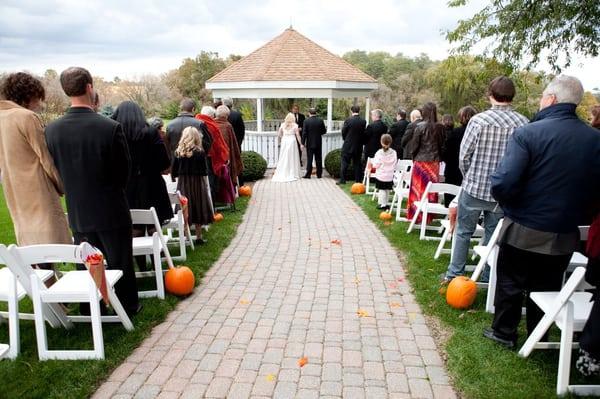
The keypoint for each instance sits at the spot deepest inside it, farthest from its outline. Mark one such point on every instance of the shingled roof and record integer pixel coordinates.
(291, 57)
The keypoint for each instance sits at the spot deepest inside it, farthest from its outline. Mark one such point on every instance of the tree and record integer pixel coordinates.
(190, 77)
(525, 31)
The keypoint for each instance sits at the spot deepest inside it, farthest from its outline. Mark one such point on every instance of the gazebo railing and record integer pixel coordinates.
(273, 124)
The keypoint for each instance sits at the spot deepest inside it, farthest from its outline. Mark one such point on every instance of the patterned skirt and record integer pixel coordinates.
(422, 174)
(200, 206)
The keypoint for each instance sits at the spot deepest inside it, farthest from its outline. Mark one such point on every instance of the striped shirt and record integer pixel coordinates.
(483, 146)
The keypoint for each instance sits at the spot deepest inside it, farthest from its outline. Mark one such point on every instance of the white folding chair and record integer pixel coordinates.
(425, 208)
(74, 286)
(401, 191)
(12, 291)
(171, 185)
(488, 254)
(151, 245)
(569, 309)
(446, 236)
(401, 166)
(369, 189)
(184, 236)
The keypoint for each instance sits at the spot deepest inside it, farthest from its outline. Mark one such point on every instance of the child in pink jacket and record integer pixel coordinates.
(384, 163)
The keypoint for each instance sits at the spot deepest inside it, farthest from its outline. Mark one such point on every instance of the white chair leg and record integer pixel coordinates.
(119, 310)
(537, 334)
(414, 219)
(38, 313)
(96, 322)
(566, 348)
(442, 244)
(391, 210)
(13, 320)
(491, 292)
(423, 224)
(160, 287)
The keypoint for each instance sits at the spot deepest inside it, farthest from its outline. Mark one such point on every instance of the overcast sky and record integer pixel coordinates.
(134, 37)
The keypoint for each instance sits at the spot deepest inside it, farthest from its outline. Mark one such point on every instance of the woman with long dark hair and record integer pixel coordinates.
(146, 187)
(426, 145)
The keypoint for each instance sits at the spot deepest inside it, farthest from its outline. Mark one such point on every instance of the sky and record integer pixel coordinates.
(134, 38)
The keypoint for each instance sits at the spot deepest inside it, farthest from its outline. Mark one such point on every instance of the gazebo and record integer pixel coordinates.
(290, 66)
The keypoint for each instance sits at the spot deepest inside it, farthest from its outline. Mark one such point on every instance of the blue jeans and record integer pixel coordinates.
(469, 210)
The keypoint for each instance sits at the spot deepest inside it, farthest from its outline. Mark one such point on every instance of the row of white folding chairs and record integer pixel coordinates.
(424, 208)
(20, 279)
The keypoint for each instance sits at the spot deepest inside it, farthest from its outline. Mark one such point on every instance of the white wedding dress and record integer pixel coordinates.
(288, 166)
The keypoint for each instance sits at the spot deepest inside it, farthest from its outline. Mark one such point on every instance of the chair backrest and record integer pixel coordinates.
(488, 251)
(577, 277)
(404, 165)
(174, 198)
(583, 232)
(171, 185)
(145, 216)
(443, 188)
(368, 166)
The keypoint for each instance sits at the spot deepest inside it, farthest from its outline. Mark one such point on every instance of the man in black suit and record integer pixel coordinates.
(239, 128)
(314, 129)
(353, 133)
(300, 122)
(91, 155)
(184, 119)
(373, 133)
(397, 131)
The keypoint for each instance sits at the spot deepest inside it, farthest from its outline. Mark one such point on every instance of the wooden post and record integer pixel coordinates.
(329, 114)
(259, 115)
(367, 109)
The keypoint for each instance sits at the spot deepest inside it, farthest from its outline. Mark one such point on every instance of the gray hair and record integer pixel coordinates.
(187, 105)
(227, 101)
(208, 110)
(566, 89)
(222, 111)
(378, 113)
(156, 122)
(415, 114)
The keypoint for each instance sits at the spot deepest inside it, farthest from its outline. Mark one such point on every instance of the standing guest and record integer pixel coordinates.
(397, 131)
(146, 188)
(191, 169)
(543, 204)
(415, 118)
(373, 133)
(384, 163)
(448, 122)
(236, 120)
(426, 145)
(596, 116)
(30, 182)
(235, 158)
(158, 124)
(312, 138)
(481, 149)
(451, 150)
(299, 119)
(91, 155)
(353, 132)
(184, 119)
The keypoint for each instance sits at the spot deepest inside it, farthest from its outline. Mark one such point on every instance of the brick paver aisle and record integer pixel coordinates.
(282, 290)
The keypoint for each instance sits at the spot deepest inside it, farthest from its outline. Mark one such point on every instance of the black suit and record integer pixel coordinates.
(92, 158)
(353, 134)
(239, 128)
(300, 122)
(397, 131)
(183, 120)
(373, 135)
(314, 129)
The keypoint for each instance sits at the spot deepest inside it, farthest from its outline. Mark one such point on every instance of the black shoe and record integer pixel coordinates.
(200, 241)
(133, 312)
(382, 207)
(306, 177)
(489, 333)
(319, 177)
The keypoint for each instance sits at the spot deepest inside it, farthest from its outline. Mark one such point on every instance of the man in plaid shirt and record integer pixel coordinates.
(481, 149)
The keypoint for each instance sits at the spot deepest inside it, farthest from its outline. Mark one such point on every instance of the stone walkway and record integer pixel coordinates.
(281, 291)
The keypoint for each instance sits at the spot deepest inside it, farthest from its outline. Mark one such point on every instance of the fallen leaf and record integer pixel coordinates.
(302, 361)
(357, 280)
(270, 377)
(244, 301)
(412, 317)
(362, 313)
(395, 304)
(393, 285)
(370, 269)
(336, 242)
(471, 311)
(400, 279)
(460, 316)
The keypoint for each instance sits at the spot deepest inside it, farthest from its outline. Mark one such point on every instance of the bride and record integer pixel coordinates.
(288, 166)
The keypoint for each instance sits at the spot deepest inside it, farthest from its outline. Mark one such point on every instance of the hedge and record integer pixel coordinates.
(255, 166)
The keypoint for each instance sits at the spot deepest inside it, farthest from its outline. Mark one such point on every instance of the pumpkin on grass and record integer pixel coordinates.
(180, 280)
(245, 191)
(358, 188)
(385, 216)
(461, 292)
(218, 217)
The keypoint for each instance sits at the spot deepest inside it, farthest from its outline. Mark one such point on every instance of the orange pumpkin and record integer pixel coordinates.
(358, 188)
(245, 191)
(218, 217)
(461, 292)
(385, 216)
(180, 280)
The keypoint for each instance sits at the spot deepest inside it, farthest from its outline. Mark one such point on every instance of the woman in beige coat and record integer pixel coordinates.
(31, 184)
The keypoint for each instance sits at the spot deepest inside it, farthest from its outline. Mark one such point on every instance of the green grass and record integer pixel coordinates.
(26, 377)
(478, 367)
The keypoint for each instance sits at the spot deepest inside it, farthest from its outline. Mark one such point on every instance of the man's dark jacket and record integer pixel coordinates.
(183, 120)
(549, 176)
(353, 132)
(91, 155)
(397, 131)
(239, 128)
(373, 135)
(314, 129)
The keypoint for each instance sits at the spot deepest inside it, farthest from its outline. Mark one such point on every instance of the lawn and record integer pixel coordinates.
(478, 367)
(26, 377)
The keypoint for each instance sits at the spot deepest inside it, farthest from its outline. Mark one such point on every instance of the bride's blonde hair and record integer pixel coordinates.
(289, 120)
(191, 140)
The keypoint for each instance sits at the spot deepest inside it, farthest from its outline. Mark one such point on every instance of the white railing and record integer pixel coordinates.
(266, 144)
(273, 124)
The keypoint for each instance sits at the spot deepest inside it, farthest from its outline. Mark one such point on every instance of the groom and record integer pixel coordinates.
(314, 129)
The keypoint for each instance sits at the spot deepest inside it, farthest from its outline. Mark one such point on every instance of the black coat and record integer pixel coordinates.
(239, 128)
(299, 118)
(353, 134)
(312, 132)
(92, 158)
(373, 135)
(407, 139)
(146, 187)
(183, 120)
(450, 155)
(397, 131)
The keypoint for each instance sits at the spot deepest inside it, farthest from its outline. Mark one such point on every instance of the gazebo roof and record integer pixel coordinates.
(291, 57)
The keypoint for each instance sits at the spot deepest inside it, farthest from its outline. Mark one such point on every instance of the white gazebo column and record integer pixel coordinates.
(329, 114)
(259, 115)
(367, 109)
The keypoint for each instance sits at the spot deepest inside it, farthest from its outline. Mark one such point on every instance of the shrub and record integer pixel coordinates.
(333, 164)
(255, 166)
